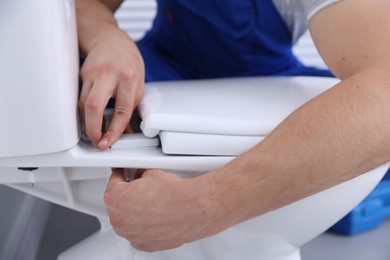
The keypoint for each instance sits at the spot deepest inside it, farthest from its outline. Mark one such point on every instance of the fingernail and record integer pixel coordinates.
(103, 143)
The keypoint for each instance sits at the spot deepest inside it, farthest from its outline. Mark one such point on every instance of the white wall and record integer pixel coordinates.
(135, 16)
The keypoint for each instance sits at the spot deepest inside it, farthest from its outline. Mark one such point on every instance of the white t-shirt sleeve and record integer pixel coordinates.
(296, 13)
(311, 7)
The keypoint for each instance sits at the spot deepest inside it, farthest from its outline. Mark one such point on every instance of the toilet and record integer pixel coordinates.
(187, 127)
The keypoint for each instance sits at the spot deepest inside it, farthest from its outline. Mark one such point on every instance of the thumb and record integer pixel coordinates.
(156, 174)
(116, 177)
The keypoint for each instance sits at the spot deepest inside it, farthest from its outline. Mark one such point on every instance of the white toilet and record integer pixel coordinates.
(188, 127)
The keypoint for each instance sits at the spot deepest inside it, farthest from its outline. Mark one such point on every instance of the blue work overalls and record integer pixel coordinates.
(195, 39)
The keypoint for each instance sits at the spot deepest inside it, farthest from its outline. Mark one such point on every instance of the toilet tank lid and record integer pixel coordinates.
(251, 106)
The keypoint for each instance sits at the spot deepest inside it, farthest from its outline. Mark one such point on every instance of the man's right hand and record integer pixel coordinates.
(113, 68)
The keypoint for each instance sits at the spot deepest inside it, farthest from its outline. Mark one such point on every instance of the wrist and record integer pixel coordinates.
(235, 192)
(212, 201)
(95, 20)
(107, 32)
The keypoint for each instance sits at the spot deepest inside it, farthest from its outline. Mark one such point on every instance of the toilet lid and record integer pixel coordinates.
(222, 116)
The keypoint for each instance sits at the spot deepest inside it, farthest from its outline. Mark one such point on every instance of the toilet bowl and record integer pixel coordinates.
(181, 137)
(188, 128)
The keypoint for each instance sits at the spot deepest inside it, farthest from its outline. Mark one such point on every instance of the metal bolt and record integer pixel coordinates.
(30, 175)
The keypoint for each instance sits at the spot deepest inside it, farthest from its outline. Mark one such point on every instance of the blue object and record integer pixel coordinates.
(370, 213)
(214, 38)
(387, 176)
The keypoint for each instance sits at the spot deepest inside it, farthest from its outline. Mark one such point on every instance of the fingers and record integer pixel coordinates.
(93, 100)
(128, 129)
(120, 175)
(113, 68)
(124, 106)
(86, 87)
(149, 211)
(154, 246)
(138, 174)
(116, 177)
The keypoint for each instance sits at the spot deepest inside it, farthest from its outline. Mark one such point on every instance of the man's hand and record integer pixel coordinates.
(160, 210)
(113, 68)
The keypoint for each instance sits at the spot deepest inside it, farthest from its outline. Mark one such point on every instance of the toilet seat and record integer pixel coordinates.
(222, 116)
(171, 111)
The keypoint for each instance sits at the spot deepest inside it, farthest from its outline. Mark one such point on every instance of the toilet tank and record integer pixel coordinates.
(38, 77)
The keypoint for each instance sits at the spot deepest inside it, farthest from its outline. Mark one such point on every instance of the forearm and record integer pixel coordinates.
(95, 22)
(335, 137)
